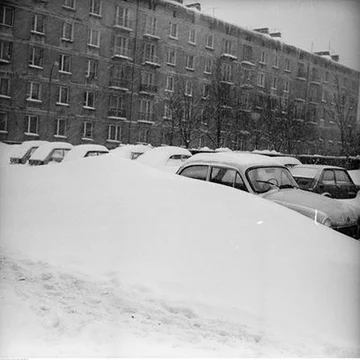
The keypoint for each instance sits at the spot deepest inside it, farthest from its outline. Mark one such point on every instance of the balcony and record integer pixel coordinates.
(229, 56)
(152, 60)
(124, 23)
(151, 34)
(119, 84)
(146, 117)
(148, 88)
(123, 53)
(116, 113)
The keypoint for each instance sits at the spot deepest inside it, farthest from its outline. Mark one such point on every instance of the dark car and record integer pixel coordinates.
(331, 181)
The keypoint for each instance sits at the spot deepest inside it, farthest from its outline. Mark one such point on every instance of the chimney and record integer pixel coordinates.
(275, 35)
(322, 53)
(335, 58)
(197, 6)
(262, 30)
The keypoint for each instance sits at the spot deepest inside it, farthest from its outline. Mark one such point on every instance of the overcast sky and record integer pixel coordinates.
(308, 24)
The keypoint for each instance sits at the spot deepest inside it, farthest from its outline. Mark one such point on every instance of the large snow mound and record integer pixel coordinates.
(100, 255)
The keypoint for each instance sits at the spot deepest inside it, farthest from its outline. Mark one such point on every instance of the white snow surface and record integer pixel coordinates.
(110, 258)
(127, 151)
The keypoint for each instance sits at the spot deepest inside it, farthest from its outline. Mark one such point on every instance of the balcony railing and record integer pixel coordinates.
(118, 113)
(119, 83)
(148, 88)
(124, 23)
(152, 60)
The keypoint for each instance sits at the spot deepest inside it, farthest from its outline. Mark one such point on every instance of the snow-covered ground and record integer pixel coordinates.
(107, 257)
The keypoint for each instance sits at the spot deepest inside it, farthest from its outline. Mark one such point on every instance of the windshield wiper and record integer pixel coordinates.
(267, 182)
(287, 186)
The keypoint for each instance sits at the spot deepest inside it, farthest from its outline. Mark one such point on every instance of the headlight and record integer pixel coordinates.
(327, 222)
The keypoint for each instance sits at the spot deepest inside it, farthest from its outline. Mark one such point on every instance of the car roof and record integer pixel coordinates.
(23, 148)
(43, 151)
(318, 166)
(79, 151)
(243, 160)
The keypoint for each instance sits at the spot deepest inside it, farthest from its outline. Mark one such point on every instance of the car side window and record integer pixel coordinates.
(223, 176)
(198, 172)
(342, 178)
(328, 177)
(239, 183)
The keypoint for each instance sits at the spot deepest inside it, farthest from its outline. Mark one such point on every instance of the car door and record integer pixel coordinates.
(327, 184)
(226, 176)
(346, 189)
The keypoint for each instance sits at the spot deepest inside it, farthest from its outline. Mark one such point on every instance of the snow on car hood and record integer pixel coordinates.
(339, 213)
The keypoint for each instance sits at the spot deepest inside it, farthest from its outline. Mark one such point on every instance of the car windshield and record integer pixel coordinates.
(263, 179)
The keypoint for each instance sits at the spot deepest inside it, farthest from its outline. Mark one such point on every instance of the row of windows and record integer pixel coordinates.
(122, 48)
(113, 131)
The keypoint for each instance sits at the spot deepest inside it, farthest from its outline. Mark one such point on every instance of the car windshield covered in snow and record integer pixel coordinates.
(263, 179)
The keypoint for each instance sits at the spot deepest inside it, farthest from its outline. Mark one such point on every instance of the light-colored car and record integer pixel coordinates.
(50, 152)
(328, 180)
(24, 151)
(167, 158)
(266, 177)
(130, 151)
(288, 161)
(85, 150)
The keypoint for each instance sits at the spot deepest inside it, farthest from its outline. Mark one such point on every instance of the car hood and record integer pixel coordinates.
(340, 213)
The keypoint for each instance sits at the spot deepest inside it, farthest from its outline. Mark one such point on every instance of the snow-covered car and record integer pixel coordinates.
(24, 151)
(167, 158)
(328, 180)
(85, 150)
(50, 152)
(130, 151)
(266, 177)
(288, 161)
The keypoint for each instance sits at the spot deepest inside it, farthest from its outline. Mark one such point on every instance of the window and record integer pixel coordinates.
(69, 4)
(208, 66)
(114, 133)
(150, 53)
(145, 134)
(227, 46)
(188, 88)
(95, 7)
(67, 31)
(121, 46)
(198, 172)
(63, 95)
(167, 111)
(287, 65)
(226, 73)
(146, 109)
(169, 83)
(314, 75)
(4, 87)
(87, 130)
(171, 57)
(276, 61)
(94, 38)
(60, 128)
(263, 57)
(247, 53)
(34, 91)
(65, 63)
(116, 106)
(89, 99)
(36, 57)
(148, 81)
(328, 177)
(151, 26)
(5, 51)
(38, 22)
(123, 17)
(206, 90)
(192, 36)
(190, 61)
(6, 15)
(118, 76)
(286, 86)
(301, 71)
(32, 125)
(274, 82)
(342, 177)
(91, 69)
(326, 76)
(210, 41)
(173, 30)
(3, 121)
(261, 79)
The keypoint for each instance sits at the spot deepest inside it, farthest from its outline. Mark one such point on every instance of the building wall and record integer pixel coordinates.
(130, 121)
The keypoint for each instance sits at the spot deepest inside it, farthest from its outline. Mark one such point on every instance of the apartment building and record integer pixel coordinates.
(101, 70)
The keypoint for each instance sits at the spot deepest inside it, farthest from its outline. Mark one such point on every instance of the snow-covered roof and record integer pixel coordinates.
(44, 150)
(127, 151)
(23, 148)
(288, 160)
(79, 151)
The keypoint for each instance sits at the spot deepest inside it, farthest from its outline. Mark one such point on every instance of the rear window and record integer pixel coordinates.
(198, 172)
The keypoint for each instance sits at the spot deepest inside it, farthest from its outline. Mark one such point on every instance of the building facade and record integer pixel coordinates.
(104, 71)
